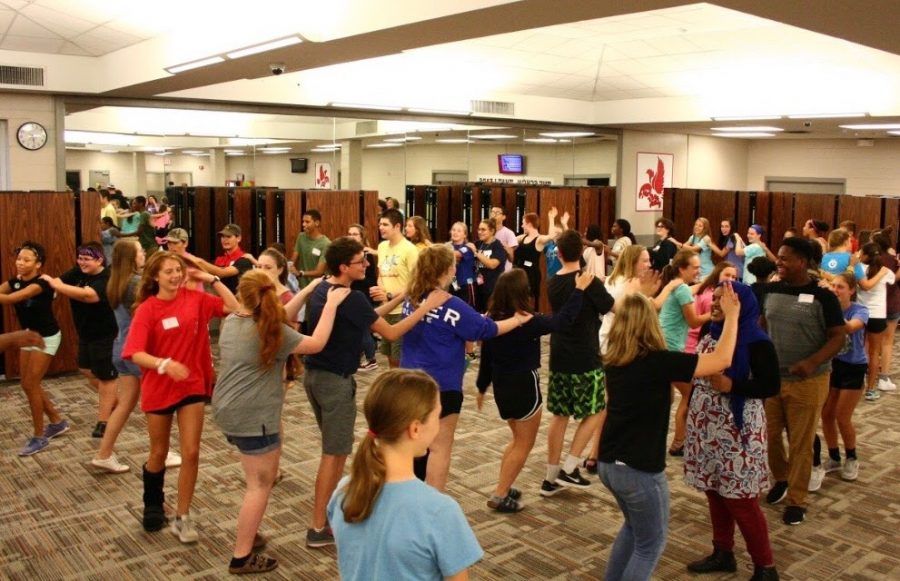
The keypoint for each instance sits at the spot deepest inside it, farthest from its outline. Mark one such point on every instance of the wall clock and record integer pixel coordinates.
(32, 136)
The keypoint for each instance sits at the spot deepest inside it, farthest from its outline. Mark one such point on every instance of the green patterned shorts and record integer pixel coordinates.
(577, 394)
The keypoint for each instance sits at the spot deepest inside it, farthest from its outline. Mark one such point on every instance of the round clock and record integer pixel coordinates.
(32, 135)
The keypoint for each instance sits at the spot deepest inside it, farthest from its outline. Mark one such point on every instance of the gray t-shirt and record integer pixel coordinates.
(248, 398)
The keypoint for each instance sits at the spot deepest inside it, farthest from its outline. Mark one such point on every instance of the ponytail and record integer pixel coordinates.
(257, 293)
(396, 399)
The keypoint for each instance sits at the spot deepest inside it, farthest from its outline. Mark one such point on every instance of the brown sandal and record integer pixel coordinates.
(256, 563)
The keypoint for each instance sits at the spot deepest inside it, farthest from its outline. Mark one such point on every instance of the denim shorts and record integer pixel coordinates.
(255, 445)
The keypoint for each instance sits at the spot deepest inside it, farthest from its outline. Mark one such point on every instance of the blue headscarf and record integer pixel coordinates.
(748, 332)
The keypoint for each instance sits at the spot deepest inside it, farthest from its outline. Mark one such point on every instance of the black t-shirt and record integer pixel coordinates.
(36, 313)
(371, 278)
(354, 317)
(243, 265)
(661, 254)
(92, 320)
(639, 397)
(576, 349)
(493, 250)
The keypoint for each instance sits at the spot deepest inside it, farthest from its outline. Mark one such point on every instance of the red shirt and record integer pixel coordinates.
(178, 329)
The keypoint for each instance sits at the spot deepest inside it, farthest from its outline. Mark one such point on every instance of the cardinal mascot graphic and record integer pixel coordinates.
(653, 189)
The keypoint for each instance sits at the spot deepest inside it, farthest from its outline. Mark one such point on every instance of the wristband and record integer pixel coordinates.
(161, 366)
(215, 280)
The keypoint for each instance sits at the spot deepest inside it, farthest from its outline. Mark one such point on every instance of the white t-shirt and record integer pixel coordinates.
(615, 289)
(508, 239)
(875, 299)
(619, 246)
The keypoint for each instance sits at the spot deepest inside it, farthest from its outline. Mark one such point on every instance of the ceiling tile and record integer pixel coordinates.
(6, 18)
(23, 26)
(539, 42)
(15, 4)
(31, 44)
(94, 11)
(62, 24)
(75, 50)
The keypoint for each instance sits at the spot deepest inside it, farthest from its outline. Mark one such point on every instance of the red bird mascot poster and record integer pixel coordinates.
(654, 174)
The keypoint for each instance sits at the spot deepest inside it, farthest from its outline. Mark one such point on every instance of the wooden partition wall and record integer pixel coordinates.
(777, 211)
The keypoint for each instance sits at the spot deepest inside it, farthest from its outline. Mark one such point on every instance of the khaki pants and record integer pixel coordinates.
(797, 407)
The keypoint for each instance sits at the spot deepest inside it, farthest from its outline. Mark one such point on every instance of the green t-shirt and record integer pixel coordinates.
(671, 318)
(310, 252)
(146, 233)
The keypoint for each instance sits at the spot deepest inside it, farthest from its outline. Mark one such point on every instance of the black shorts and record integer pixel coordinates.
(451, 403)
(518, 395)
(186, 401)
(97, 355)
(876, 325)
(847, 375)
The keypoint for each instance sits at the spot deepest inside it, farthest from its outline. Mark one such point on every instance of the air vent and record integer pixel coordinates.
(30, 76)
(493, 107)
(366, 127)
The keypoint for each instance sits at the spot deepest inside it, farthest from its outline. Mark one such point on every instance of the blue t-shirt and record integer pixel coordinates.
(465, 268)
(854, 350)
(733, 258)
(437, 343)
(671, 317)
(351, 322)
(835, 262)
(751, 251)
(413, 533)
(705, 253)
(553, 262)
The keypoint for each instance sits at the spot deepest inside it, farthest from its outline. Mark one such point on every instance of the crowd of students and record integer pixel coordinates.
(787, 347)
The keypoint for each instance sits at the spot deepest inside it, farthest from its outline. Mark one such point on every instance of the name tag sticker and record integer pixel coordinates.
(527, 263)
(463, 250)
(170, 323)
(316, 252)
(488, 253)
(805, 298)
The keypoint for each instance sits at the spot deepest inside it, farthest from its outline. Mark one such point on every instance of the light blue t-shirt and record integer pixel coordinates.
(835, 262)
(414, 533)
(553, 263)
(854, 350)
(671, 318)
(706, 263)
(733, 258)
(751, 251)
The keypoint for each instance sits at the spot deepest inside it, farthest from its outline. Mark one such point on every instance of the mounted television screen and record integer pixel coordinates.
(299, 164)
(511, 163)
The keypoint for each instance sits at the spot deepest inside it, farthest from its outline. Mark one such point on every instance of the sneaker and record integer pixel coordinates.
(508, 505)
(550, 488)
(677, 452)
(850, 471)
(368, 366)
(154, 518)
(318, 539)
(183, 528)
(99, 430)
(590, 465)
(872, 395)
(777, 492)
(57, 429)
(256, 563)
(793, 515)
(110, 464)
(173, 459)
(887, 385)
(514, 493)
(572, 478)
(717, 561)
(816, 478)
(831, 465)
(34, 445)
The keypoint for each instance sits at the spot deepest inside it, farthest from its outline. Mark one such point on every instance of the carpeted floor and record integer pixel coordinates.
(62, 519)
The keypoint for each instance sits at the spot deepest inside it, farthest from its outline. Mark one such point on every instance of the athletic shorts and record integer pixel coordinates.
(847, 375)
(51, 345)
(124, 366)
(518, 395)
(96, 355)
(578, 395)
(391, 348)
(876, 325)
(451, 403)
(893, 317)
(333, 401)
(191, 399)
(255, 445)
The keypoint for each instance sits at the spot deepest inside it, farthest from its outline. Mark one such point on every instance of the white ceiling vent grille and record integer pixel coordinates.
(29, 76)
(493, 107)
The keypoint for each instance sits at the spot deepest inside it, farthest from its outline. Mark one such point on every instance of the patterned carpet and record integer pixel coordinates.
(63, 519)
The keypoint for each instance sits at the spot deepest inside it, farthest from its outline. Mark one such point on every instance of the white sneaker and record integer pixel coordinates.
(815, 478)
(887, 385)
(831, 465)
(851, 469)
(110, 464)
(173, 459)
(183, 528)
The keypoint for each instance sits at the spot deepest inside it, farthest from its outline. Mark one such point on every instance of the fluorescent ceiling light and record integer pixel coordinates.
(193, 151)
(748, 118)
(274, 150)
(493, 136)
(235, 153)
(540, 140)
(894, 132)
(873, 126)
(568, 134)
(109, 151)
(437, 111)
(828, 116)
(403, 139)
(748, 134)
(163, 153)
(377, 145)
(452, 140)
(756, 128)
(325, 148)
(195, 64)
(363, 106)
(266, 46)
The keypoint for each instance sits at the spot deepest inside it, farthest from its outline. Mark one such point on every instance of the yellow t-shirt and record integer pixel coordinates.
(109, 210)
(395, 264)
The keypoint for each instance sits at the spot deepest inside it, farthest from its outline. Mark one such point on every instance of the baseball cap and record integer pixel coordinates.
(177, 235)
(231, 230)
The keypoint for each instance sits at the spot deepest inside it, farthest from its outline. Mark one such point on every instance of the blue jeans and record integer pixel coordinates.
(644, 500)
(368, 345)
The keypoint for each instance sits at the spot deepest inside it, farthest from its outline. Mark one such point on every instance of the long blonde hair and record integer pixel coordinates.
(396, 399)
(256, 291)
(121, 271)
(626, 265)
(635, 332)
(432, 264)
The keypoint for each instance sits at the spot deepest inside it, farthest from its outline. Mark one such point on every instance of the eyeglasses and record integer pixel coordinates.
(361, 261)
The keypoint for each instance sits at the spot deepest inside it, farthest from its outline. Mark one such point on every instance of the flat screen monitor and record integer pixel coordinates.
(511, 163)
(299, 165)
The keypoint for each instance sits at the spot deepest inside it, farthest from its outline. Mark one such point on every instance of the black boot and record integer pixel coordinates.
(764, 574)
(154, 515)
(718, 561)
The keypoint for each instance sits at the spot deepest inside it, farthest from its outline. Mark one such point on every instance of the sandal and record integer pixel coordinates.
(259, 541)
(256, 563)
(590, 465)
(514, 493)
(507, 505)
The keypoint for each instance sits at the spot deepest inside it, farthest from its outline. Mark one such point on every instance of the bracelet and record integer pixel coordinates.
(215, 280)
(161, 366)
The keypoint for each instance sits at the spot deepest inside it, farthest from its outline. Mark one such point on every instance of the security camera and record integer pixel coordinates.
(276, 68)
